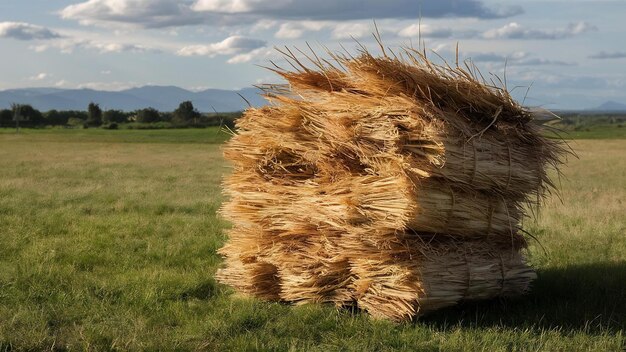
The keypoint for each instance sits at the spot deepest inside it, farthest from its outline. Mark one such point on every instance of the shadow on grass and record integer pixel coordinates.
(589, 298)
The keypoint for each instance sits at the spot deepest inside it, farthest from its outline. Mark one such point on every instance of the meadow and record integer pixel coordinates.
(108, 241)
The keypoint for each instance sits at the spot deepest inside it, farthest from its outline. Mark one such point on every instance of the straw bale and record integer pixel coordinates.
(492, 162)
(388, 203)
(413, 277)
(409, 279)
(389, 183)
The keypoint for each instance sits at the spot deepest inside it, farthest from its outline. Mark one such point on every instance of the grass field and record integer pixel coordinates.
(595, 131)
(592, 125)
(110, 245)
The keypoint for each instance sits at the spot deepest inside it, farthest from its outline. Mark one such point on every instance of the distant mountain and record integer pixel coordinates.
(164, 98)
(611, 106)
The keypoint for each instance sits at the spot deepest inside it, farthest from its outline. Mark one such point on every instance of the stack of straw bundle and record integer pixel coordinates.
(390, 183)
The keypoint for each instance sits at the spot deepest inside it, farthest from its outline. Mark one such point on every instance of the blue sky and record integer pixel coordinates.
(572, 52)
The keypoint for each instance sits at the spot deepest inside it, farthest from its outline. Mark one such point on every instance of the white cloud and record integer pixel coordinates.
(230, 46)
(516, 58)
(536, 61)
(68, 46)
(353, 9)
(609, 55)
(107, 86)
(263, 24)
(173, 13)
(144, 13)
(293, 30)
(40, 77)
(119, 47)
(289, 31)
(514, 30)
(495, 57)
(239, 6)
(259, 54)
(439, 47)
(351, 30)
(26, 31)
(589, 83)
(427, 31)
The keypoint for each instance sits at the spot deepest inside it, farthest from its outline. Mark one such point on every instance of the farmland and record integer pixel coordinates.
(108, 240)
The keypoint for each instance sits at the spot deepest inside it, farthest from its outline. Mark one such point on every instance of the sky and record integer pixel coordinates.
(571, 53)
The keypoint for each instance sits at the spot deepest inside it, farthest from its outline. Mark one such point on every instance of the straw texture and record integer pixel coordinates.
(388, 183)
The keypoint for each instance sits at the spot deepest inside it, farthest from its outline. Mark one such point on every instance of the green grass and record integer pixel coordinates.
(599, 131)
(210, 135)
(109, 245)
(592, 126)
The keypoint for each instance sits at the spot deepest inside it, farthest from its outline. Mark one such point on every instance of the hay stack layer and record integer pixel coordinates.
(392, 184)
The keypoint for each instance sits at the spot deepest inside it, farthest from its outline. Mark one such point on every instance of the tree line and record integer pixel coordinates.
(186, 115)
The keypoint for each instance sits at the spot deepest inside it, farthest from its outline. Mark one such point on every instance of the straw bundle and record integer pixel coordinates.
(389, 183)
